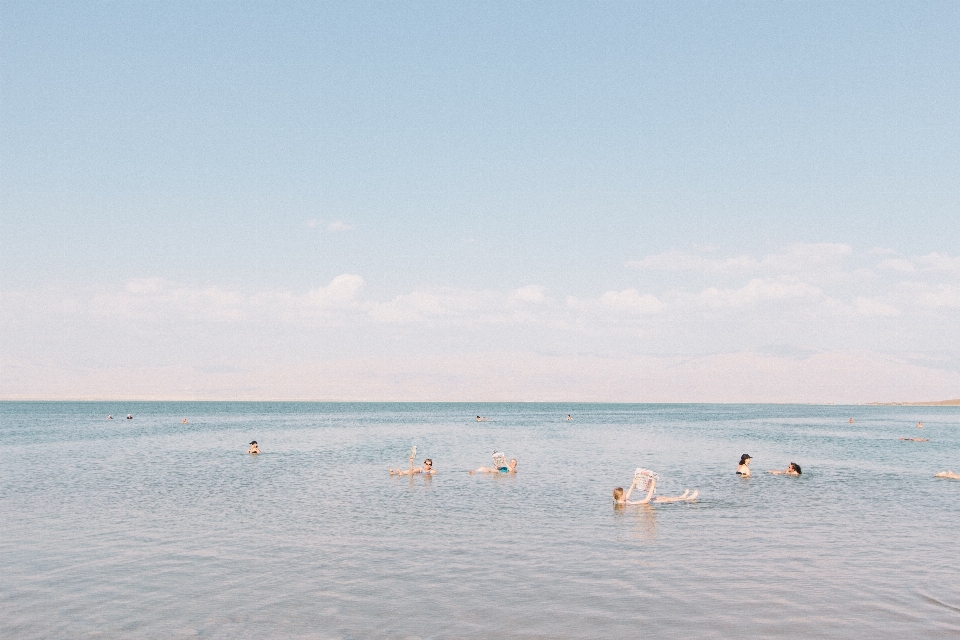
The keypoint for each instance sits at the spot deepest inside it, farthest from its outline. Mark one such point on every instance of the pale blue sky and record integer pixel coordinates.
(451, 149)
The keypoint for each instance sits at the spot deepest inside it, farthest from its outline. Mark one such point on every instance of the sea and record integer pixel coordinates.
(155, 528)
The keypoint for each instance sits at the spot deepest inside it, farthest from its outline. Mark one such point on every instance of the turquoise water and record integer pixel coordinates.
(150, 528)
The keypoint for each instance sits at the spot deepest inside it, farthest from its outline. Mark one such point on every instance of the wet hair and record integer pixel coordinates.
(796, 467)
(618, 493)
(430, 460)
(254, 442)
(744, 457)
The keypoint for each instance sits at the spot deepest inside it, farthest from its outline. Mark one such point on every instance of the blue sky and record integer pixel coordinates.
(614, 201)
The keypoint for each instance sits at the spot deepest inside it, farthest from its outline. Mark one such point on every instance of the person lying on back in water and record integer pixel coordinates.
(510, 468)
(621, 499)
(793, 469)
(948, 474)
(427, 469)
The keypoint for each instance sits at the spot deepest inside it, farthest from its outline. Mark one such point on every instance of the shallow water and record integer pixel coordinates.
(149, 528)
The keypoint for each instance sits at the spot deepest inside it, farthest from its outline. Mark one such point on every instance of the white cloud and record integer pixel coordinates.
(631, 301)
(530, 293)
(338, 225)
(675, 260)
(756, 291)
(874, 307)
(930, 296)
(897, 264)
(797, 259)
(940, 263)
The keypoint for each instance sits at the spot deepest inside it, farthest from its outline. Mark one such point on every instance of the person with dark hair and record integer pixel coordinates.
(793, 469)
(645, 480)
(743, 469)
(254, 448)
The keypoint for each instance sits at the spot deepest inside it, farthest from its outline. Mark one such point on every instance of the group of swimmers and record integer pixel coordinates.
(500, 466)
(644, 479)
(743, 468)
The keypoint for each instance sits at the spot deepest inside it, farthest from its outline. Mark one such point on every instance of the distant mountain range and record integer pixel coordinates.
(938, 403)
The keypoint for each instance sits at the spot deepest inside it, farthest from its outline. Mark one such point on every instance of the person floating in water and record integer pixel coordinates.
(743, 469)
(254, 448)
(427, 468)
(109, 417)
(648, 478)
(915, 439)
(851, 420)
(510, 468)
(569, 417)
(184, 421)
(948, 474)
(793, 469)
(129, 416)
(481, 418)
(920, 425)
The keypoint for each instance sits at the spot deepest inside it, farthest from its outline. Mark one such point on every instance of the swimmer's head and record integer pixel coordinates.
(513, 463)
(744, 458)
(795, 467)
(254, 442)
(618, 494)
(428, 463)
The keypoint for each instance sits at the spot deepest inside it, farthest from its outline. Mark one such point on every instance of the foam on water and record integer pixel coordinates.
(152, 528)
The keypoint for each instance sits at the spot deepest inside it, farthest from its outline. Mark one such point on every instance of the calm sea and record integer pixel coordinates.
(151, 528)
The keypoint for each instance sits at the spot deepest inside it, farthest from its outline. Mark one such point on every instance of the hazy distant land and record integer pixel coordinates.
(938, 403)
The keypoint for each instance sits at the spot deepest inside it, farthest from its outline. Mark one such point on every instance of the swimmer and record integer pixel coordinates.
(793, 469)
(254, 448)
(920, 425)
(569, 417)
(510, 468)
(948, 474)
(184, 421)
(109, 417)
(743, 469)
(851, 420)
(129, 416)
(620, 499)
(427, 469)
(915, 439)
(481, 418)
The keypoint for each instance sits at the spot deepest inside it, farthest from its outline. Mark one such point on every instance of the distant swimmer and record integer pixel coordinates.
(646, 480)
(500, 465)
(481, 419)
(851, 420)
(184, 421)
(920, 425)
(254, 448)
(793, 469)
(109, 417)
(569, 417)
(743, 469)
(129, 416)
(948, 474)
(915, 439)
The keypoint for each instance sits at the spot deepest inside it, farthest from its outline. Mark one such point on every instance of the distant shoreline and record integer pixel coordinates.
(938, 403)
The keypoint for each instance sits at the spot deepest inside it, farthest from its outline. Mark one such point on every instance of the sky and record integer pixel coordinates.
(582, 201)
